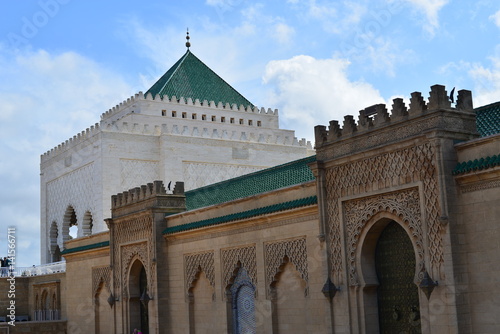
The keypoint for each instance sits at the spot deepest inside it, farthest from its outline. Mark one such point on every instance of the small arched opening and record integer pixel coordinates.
(55, 251)
(70, 224)
(87, 224)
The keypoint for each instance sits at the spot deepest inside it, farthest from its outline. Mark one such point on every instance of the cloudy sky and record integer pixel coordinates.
(64, 62)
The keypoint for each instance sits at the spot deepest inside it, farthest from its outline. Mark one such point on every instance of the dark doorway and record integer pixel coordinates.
(398, 304)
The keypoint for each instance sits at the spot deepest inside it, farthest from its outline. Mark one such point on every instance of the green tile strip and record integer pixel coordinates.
(243, 215)
(191, 78)
(476, 165)
(488, 119)
(86, 247)
(268, 179)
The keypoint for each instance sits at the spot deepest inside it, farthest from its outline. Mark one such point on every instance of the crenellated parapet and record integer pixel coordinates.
(151, 194)
(402, 121)
(182, 101)
(73, 141)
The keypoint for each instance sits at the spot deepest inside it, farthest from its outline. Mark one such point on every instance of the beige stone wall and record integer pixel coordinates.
(478, 215)
(82, 279)
(265, 246)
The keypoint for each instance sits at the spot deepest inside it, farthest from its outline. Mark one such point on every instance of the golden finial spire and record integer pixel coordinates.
(187, 39)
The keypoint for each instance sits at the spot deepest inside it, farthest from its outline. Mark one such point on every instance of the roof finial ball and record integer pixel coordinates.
(187, 39)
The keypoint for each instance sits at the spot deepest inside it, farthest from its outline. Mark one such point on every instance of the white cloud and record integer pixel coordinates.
(283, 33)
(46, 98)
(431, 9)
(312, 91)
(496, 18)
(486, 82)
(485, 79)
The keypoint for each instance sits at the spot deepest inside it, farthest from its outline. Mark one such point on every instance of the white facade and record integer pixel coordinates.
(145, 139)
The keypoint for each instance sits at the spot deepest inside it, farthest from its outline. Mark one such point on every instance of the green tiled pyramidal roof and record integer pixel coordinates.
(488, 119)
(243, 215)
(277, 177)
(191, 78)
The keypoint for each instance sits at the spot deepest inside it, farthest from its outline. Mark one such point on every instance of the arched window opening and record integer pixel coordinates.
(87, 224)
(70, 224)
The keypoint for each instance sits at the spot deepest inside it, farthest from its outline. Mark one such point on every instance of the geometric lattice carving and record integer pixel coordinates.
(408, 165)
(405, 204)
(246, 256)
(75, 189)
(101, 274)
(135, 172)
(198, 174)
(275, 254)
(196, 263)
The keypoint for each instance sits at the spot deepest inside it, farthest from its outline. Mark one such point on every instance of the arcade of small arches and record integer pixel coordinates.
(71, 227)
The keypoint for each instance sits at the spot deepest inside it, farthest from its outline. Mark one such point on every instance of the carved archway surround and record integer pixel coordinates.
(130, 254)
(401, 168)
(361, 214)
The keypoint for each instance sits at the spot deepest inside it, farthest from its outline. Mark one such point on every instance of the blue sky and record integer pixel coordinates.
(64, 62)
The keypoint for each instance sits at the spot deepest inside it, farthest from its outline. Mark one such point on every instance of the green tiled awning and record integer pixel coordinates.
(476, 165)
(243, 215)
(269, 179)
(86, 247)
(191, 78)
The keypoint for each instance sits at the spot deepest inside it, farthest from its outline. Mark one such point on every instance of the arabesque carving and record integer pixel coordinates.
(101, 274)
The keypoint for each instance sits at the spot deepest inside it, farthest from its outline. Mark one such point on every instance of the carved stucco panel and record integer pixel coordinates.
(275, 254)
(245, 255)
(194, 264)
(101, 274)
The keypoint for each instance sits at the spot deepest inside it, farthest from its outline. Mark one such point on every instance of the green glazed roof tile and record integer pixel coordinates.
(269, 179)
(191, 78)
(86, 247)
(488, 119)
(476, 165)
(243, 215)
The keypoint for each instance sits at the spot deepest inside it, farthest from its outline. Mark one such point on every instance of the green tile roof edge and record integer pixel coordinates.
(162, 82)
(191, 194)
(86, 247)
(243, 215)
(476, 165)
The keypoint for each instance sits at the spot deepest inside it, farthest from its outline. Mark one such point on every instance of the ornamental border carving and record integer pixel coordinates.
(246, 255)
(357, 212)
(480, 186)
(274, 255)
